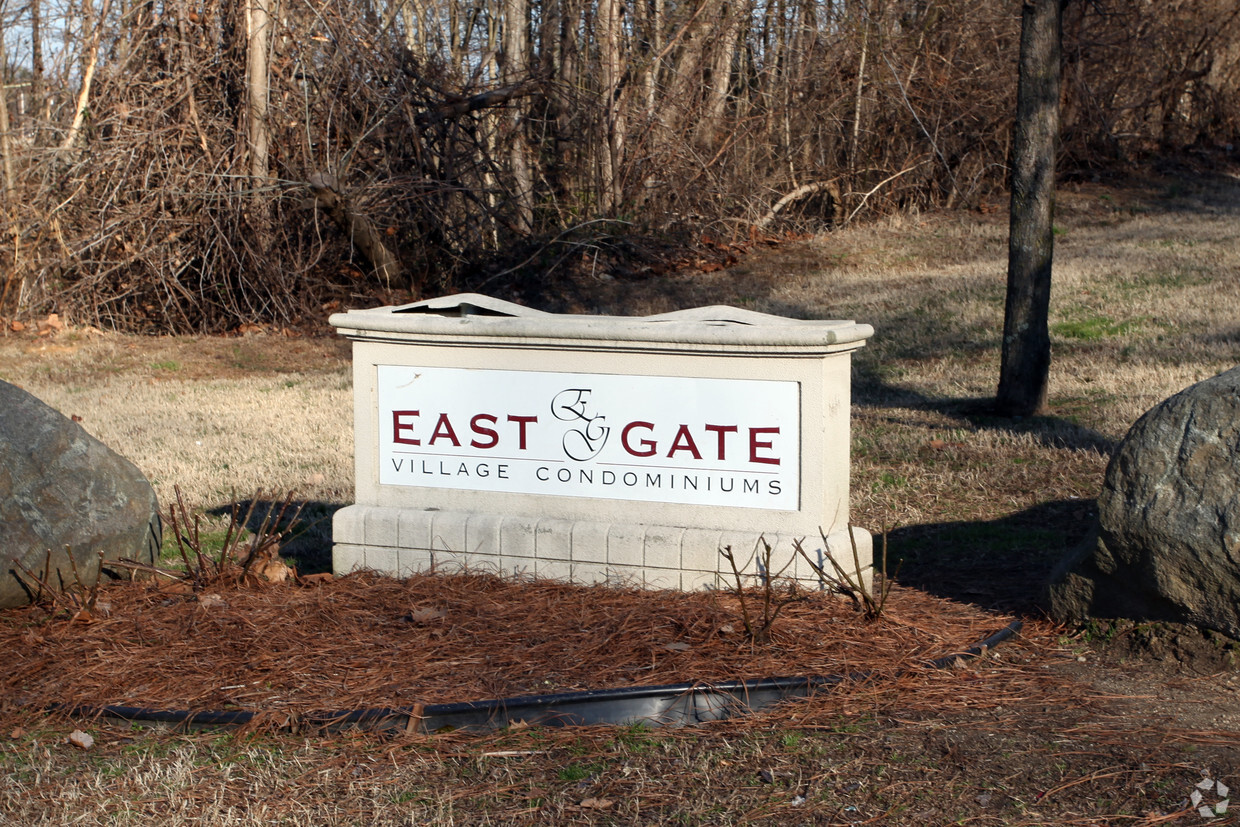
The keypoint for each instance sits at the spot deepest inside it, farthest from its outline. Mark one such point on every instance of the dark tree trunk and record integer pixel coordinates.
(1026, 357)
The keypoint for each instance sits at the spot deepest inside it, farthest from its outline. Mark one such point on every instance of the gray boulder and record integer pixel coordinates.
(60, 488)
(1168, 538)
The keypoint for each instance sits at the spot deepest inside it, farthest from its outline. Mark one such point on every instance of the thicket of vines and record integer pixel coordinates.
(171, 165)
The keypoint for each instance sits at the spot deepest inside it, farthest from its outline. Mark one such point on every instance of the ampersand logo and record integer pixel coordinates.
(590, 436)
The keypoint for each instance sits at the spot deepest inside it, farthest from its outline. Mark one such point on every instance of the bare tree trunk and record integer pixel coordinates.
(685, 79)
(649, 24)
(257, 70)
(719, 74)
(611, 148)
(6, 141)
(36, 64)
(515, 45)
(856, 124)
(488, 149)
(10, 203)
(125, 43)
(557, 61)
(1026, 359)
(89, 63)
(409, 16)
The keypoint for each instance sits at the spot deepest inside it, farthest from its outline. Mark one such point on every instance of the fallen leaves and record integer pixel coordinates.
(274, 570)
(90, 613)
(942, 445)
(596, 804)
(211, 600)
(81, 740)
(51, 325)
(250, 329)
(48, 326)
(424, 614)
(176, 587)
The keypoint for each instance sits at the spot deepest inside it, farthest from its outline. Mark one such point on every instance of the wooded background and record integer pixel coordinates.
(185, 166)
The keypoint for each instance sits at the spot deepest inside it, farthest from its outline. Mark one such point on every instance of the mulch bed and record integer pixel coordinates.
(365, 641)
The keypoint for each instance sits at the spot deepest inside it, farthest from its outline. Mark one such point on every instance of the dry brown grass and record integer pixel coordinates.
(218, 417)
(1143, 305)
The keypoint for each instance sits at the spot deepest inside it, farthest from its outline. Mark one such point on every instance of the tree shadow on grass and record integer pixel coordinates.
(1052, 431)
(1000, 565)
(309, 544)
(927, 332)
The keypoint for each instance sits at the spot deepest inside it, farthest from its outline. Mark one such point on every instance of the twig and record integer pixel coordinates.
(544, 247)
(878, 186)
(803, 191)
(771, 607)
(88, 595)
(864, 598)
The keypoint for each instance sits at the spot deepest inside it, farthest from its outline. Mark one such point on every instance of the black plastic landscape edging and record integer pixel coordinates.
(679, 704)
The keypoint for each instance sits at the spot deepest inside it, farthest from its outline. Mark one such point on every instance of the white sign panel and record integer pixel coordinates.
(716, 442)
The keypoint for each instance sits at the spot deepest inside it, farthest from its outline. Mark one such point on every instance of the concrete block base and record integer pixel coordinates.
(402, 541)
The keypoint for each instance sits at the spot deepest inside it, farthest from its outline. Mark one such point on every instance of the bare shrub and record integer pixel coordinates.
(177, 169)
(78, 600)
(774, 594)
(240, 558)
(868, 599)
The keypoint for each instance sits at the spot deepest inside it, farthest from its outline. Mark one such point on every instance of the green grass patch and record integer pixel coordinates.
(890, 479)
(790, 740)
(212, 542)
(1177, 277)
(636, 738)
(579, 772)
(1093, 328)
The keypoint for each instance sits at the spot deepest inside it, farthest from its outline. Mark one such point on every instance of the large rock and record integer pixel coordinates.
(1168, 540)
(62, 488)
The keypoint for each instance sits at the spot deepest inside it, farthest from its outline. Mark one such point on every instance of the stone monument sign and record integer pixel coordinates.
(595, 448)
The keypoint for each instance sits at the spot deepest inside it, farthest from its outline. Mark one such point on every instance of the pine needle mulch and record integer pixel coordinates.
(365, 641)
